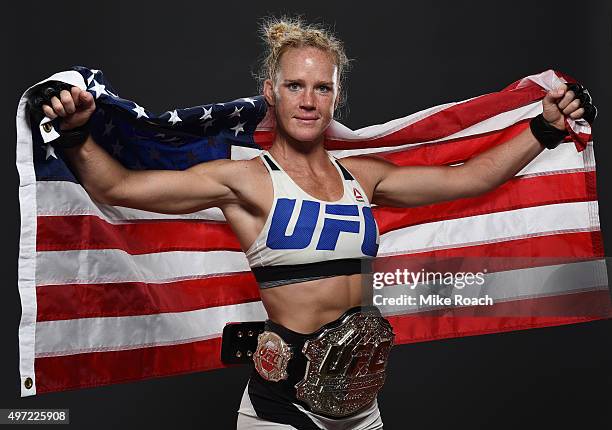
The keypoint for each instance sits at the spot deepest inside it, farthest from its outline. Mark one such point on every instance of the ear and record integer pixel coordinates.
(268, 92)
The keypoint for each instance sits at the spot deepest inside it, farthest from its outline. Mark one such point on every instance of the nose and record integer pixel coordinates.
(308, 99)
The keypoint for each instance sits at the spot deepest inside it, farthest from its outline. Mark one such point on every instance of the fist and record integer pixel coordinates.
(564, 101)
(75, 106)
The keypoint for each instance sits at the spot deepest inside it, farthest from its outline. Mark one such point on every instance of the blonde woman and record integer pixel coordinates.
(310, 275)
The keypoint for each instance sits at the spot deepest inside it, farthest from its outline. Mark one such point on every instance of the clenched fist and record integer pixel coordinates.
(55, 99)
(571, 100)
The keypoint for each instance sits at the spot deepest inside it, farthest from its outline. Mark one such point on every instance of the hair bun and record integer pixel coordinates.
(277, 32)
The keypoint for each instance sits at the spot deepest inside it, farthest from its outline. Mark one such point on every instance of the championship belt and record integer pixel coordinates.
(272, 356)
(346, 364)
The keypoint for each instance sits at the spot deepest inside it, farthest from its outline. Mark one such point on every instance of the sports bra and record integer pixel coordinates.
(305, 238)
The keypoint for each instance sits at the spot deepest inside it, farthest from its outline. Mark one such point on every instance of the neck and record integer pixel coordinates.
(298, 154)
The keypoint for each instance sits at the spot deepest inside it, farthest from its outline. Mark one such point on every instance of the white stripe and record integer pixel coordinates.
(500, 226)
(112, 265)
(495, 123)
(64, 337)
(83, 335)
(27, 243)
(527, 283)
(67, 198)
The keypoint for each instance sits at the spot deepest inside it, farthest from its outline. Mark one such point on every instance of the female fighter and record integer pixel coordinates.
(303, 218)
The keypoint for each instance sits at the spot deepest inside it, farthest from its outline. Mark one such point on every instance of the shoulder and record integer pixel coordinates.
(368, 170)
(369, 167)
(231, 170)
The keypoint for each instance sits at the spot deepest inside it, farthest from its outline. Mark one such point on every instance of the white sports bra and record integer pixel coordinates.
(305, 238)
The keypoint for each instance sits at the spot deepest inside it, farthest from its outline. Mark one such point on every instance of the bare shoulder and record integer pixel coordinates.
(248, 180)
(367, 169)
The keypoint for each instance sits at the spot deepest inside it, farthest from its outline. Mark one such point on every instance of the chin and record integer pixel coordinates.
(306, 134)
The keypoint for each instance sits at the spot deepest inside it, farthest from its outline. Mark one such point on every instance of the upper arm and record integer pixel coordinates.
(201, 186)
(407, 186)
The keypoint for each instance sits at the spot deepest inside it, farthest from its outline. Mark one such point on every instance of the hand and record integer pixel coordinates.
(563, 101)
(74, 106)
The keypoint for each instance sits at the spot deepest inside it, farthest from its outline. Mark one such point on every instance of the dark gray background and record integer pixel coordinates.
(407, 57)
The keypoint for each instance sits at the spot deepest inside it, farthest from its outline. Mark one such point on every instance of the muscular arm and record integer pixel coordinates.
(173, 192)
(421, 185)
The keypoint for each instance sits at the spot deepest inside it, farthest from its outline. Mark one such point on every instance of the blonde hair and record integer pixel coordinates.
(281, 34)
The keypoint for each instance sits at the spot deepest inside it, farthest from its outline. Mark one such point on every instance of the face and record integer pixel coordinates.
(304, 93)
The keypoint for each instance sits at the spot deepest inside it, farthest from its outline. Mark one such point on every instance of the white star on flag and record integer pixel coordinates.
(249, 100)
(98, 88)
(207, 114)
(50, 151)
(139, 111)
(208, 124)
(174, 118)
(117, 147)
(239, 127)
(236, 112)
(93, 75)
(108, 128)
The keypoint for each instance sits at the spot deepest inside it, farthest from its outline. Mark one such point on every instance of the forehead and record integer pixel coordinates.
(307, 63)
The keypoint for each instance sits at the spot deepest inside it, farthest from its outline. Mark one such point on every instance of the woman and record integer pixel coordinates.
(304, 221)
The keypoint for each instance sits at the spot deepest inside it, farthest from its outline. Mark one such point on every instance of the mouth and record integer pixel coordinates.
(306, 120)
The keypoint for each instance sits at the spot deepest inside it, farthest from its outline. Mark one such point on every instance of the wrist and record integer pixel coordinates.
(546, 133)
(73, 137)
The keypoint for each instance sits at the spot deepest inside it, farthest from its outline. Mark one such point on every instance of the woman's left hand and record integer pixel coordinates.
(571, 100)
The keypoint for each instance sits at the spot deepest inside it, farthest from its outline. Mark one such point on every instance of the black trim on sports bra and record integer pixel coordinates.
(345, 172)
(275, 276)
(271, 163)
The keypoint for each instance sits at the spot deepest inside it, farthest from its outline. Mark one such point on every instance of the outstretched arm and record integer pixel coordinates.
(421, 185)
(202, 186)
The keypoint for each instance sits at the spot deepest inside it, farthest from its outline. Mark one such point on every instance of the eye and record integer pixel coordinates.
(293, 86)
(324, 89)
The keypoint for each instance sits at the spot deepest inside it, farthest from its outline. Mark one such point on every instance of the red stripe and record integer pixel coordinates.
(453, 150)
(60, 233)
(103, 368)
(71, 301)
(516, 315)
(514, 194)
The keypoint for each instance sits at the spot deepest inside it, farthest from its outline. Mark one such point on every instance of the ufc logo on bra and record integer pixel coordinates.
(307, 221)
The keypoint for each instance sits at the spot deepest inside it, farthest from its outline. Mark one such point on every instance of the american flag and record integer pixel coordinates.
(111, 294)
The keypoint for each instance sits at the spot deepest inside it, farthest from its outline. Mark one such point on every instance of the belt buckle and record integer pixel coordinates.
(272, 356)
(346, 365)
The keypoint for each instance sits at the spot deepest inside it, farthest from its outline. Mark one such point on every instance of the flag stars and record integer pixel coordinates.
(92, 76)
(117, 147)
(236, 112)
(140, 112)
(174, 118)
(108, 128)
(208, 124)
(207, 114)
(98, 88)
(238, 128)
(249, 100)
(50, 151)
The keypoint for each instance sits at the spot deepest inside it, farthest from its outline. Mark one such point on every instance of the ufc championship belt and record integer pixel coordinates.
(346, 364)
(272, 356)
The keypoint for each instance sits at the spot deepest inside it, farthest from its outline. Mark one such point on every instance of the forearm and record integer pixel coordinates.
(96, 170)
(495, 166)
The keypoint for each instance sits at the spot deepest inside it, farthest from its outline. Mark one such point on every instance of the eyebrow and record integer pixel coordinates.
(301, 81)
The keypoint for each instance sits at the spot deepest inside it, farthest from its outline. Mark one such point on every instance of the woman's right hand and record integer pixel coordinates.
(75, 107)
